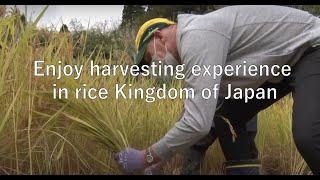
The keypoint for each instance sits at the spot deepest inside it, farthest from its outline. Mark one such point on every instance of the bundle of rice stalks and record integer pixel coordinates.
(98, 119)
(94, 121)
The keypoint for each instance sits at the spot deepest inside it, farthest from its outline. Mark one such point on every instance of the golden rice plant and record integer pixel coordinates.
(41, 135)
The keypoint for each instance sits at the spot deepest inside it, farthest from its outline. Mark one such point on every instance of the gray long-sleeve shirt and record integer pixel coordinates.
(257, 34)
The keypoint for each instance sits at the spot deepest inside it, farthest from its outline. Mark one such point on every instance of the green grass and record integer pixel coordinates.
(40, 135)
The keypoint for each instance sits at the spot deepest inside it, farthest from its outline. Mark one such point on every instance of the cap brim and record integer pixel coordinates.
(140, 55)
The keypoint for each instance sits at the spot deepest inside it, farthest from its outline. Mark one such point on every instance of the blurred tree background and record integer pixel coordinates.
(100, 39)
(138, 14)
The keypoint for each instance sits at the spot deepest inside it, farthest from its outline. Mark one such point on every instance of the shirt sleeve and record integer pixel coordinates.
(203, 48)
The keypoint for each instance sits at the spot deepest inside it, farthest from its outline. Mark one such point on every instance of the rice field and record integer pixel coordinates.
(41, 135)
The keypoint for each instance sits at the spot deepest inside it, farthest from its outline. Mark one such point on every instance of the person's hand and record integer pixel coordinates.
(130, 160)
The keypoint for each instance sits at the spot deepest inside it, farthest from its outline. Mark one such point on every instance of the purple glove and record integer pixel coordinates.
(130, 160)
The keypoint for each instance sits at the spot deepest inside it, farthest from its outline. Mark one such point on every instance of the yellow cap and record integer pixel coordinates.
(144, 34)
(146, 26)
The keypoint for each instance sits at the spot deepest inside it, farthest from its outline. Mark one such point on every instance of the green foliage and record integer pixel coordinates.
(137, 15)
(40, 135)
(130, 13)
(313, 9)
(64, 28)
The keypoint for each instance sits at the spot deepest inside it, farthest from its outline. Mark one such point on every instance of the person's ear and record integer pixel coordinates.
(157, 34)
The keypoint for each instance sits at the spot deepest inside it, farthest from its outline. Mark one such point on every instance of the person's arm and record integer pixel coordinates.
(198, 47)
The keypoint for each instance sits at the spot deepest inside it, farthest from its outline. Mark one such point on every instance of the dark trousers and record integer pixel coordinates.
(243, 148)
(304, 83)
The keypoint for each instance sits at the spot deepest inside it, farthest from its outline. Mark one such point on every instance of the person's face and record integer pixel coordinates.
(155, 48)
(163, 47)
